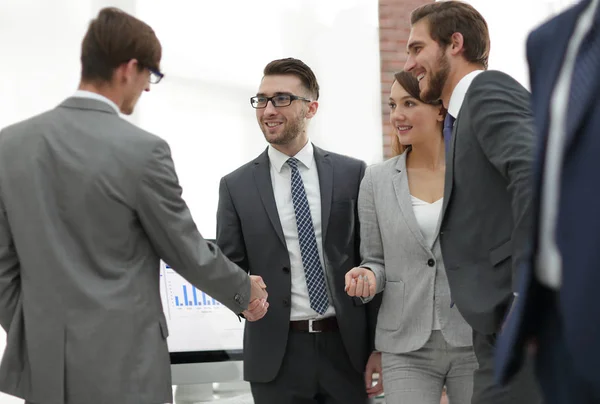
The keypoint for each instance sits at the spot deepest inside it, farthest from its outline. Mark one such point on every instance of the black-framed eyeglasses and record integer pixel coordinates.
(280, 100)
(155, 76)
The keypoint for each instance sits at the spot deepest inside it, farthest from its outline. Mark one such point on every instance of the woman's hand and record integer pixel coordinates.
(361, 282)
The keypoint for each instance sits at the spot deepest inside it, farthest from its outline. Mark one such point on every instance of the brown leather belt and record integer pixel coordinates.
(312, 326)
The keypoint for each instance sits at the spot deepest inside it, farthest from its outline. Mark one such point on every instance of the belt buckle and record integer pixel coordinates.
(310, 327)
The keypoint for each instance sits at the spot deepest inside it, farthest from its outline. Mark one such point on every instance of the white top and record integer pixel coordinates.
(460, 91)
(549, 262)
(428, 215)
(96, 96)
(281, 177)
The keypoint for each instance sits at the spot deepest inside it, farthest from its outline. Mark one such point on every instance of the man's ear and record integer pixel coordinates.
(457, 43)
(313, 106)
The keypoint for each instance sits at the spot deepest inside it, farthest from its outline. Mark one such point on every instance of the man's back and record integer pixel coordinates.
(91, 203)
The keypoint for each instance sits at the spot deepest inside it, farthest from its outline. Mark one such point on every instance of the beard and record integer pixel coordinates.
(437, 80)
(292, 130)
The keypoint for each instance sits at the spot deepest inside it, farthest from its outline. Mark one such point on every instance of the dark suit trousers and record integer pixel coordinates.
(561, 383)
(522, 389)
(315, 370)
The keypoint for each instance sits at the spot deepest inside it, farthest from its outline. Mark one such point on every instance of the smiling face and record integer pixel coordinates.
(428, 62)
(283, 126)
(414, 122)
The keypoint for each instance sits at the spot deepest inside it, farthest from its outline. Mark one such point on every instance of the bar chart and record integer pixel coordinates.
(196, 321)
(195, 298)
(181, 296)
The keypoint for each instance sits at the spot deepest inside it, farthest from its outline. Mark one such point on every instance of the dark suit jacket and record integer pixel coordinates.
(486, 212)
(249, 233)
(578, 219)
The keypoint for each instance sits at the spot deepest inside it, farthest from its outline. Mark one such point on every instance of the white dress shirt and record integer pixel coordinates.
(281, 177)
(458, 95)
(96, 96)
(428, 215)
(549, 262)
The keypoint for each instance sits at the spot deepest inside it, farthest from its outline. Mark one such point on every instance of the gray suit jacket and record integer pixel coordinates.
(88, 205)
(410, 272)
(249, 232)
(487, 198)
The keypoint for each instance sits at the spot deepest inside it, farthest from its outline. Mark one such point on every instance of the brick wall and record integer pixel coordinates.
(394, 29)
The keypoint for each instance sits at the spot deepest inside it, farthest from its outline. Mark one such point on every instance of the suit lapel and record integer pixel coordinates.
(578, 114)
(545, 67)
(262, 177)
(325, 171)
(400, 181)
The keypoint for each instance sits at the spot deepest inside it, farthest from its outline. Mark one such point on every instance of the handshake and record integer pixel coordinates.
(258, 299)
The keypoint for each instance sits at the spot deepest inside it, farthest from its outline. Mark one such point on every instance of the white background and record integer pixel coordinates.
(214, 52)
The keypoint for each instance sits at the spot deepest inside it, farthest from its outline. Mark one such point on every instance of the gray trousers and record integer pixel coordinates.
(418, 377)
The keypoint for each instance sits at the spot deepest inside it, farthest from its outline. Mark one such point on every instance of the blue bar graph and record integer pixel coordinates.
(195, 300)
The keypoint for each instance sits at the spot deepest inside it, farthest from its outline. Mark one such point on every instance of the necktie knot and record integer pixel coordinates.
(292, 162)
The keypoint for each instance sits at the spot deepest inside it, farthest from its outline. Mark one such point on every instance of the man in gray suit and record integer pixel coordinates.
(487, 196)
(290, 216)
(88, 205)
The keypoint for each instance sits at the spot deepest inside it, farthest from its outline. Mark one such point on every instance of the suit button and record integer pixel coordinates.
(286, 270)
(237, 298)
(286, 302)
(431, 262)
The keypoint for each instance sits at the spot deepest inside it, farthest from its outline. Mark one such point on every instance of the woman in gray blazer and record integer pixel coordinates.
(425, 342)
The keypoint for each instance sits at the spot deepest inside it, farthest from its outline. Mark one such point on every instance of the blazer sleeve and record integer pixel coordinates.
(169, 225)
(10, 272)
(371, 245)
(372, 304)
(502, 121)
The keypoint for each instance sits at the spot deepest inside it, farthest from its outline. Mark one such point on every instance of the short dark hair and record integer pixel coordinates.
(447, 17)
(113, 38)
(296, 68)
(410, 83)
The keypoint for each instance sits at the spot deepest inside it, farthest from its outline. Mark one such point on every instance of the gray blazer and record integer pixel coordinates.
(410, 273)
(249, 232)
(88, 205)
(486, 221)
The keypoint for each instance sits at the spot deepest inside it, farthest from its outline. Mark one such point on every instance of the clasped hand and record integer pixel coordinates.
(258, 299)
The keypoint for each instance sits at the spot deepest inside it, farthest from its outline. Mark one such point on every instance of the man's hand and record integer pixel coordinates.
(374, 366)
(258, 289)
(258, 300)
(361, 282)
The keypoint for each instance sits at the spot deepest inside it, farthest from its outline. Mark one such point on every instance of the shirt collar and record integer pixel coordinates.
(305, 156)
(458, 95)
(96, 96)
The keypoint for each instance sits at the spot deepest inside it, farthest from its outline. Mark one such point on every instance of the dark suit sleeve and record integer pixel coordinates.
(10, 272)
(372, 306)
(501, 120)
(229, 229)
(169, 225)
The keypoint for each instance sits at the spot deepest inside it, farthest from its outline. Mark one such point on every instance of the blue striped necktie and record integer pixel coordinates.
(315, 278)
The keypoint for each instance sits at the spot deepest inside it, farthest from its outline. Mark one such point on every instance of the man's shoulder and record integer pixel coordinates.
(493, 78)
(342, 159)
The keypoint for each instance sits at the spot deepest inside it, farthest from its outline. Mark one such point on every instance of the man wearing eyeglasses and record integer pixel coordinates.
(88, 205)
(290, 216)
